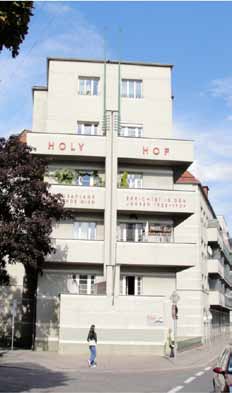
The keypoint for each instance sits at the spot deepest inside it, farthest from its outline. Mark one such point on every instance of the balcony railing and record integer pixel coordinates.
(77, 251)
(216, 298)
(228, 302)
(177, 152)
(215, 267)
(132, 237)
(67, 144)
(81, 196)
(215, 235)
(179, 255)
(169, 201)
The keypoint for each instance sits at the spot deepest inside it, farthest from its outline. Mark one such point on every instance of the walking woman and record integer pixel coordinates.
(92, 340)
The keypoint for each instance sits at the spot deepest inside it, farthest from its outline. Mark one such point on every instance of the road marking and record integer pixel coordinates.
(176, 389)
(199, 374)
(189, 380)
(208, 368)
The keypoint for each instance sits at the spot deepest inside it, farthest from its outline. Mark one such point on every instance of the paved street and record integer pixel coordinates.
(191, 371)
(28, 379)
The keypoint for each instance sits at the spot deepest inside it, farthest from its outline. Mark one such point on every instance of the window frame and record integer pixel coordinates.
(126, 131)
(138, 285)
(86, 90)
(91, 229)
(137, 181)
(130, 91)
(90, 282)
(82, 125)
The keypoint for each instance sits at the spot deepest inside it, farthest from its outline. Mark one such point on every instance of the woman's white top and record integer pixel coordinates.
(92, 342)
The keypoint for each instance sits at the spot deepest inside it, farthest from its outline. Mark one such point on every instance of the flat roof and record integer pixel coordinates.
(39, 88)
(139, 63)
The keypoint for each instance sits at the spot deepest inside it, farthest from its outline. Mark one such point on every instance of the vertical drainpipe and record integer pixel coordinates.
(119, 96)
(104, 133)
(104, 96)
(117, 130)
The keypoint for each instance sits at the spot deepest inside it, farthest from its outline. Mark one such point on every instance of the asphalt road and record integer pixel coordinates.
(29, 378)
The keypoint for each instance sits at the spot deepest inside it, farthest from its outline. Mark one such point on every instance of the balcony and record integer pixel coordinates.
(214, 236)
(228, 277)
(228, 302)
(173, 152)
(165, 201)
(79, 197)
(216, 298)
(67, 144)
(177, 255)
(77, 251)
(215, 267)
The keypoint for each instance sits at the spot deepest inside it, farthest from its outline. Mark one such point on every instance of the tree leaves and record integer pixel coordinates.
(27, 208)
(14, 20)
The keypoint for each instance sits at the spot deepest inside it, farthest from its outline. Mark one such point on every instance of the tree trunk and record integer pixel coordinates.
(29, 308)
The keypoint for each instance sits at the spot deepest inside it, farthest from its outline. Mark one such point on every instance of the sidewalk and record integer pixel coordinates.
(197, 357)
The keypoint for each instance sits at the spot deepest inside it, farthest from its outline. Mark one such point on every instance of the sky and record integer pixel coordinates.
(193, 36)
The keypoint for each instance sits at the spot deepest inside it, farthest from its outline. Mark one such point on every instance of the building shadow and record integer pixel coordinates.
(28, 376)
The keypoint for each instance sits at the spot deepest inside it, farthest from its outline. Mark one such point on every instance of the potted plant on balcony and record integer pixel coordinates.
(65, 176)
(96, 178)
(124, 180)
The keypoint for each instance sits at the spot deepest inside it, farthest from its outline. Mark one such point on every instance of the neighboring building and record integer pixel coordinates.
(204, 290)
(140, 228)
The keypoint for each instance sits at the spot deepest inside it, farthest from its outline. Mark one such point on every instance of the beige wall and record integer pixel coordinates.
(159, 285)
(132, 321)
(40, 101)
(154, 110)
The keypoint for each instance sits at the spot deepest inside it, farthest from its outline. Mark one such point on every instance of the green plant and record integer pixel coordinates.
(65, 176)
(124, 180)
(101, 181)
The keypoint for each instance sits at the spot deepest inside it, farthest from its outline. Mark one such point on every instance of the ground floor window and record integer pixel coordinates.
(131, 285)
(82, 284)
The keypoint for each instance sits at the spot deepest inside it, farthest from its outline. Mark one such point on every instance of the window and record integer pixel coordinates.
(84, 230)
(131, 88)
(160, 233)
(88, 86)
(131, 285)
(86, 284)
(85, 128)
(85, 179)
(135, 180)
(131, 232)
(131, 131)
(83, 284)
(89, 179)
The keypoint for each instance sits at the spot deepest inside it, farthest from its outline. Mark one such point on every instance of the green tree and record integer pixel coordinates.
(27, 213)
(14, 21)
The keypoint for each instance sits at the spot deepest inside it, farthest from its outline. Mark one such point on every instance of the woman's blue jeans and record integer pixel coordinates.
(93, 354)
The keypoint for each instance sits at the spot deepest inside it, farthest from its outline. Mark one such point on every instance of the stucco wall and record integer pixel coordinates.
(131, 321)
(153, 110)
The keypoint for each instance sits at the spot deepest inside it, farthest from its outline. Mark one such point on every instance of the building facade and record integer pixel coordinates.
(143, 228)
(205, 289)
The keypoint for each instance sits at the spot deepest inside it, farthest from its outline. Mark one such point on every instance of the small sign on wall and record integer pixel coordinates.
(154, 319)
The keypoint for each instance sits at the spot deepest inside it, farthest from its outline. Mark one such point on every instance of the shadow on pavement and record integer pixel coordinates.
(24, 377)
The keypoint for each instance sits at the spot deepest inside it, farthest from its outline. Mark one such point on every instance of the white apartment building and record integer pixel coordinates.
(143, 227)
(205, 289)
